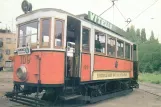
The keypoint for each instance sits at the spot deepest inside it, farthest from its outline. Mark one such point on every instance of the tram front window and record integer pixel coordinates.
(59, 33)
(45, 32)
(28, 34)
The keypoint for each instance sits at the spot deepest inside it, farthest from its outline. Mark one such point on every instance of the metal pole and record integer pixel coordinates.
(113, 2)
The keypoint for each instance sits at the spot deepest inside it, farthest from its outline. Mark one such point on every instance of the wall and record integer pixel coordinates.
(9, 43)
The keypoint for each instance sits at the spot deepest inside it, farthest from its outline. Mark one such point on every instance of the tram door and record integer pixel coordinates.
(73, 47)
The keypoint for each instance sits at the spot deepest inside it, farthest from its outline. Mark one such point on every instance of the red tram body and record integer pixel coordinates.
(57, 50)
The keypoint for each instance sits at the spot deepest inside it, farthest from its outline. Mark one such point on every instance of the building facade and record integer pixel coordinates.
(8, 41)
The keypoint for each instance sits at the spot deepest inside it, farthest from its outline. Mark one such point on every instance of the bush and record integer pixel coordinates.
(150, 77)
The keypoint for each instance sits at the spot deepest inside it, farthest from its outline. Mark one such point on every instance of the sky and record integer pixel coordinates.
(150, 19)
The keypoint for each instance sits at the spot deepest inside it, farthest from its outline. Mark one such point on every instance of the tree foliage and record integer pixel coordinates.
(152, 38)
(149, 51)
(143, 35)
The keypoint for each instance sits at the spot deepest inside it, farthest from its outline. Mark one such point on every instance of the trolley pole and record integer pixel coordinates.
(113, 2)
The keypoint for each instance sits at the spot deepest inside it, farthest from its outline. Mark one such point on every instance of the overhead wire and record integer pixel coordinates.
(143, 11)
(124, 16)
(106, 10)
(120, 12)
(113, 11)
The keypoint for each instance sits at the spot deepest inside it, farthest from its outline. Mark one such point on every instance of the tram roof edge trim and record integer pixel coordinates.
(102, 22)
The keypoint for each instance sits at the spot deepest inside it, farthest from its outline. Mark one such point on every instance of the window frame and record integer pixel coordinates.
(21, 24)
(85, 51)
(11, 64)
(123, 49)
(99, 53)
(63, 27)
(40, 40)
(107, 46)
(8, 51)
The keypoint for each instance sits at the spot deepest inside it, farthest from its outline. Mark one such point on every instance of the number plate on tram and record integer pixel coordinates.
(23, 51)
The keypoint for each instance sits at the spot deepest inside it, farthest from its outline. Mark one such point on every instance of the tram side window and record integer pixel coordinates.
(111, 46)
(120, 49)
(28, 34)
(45, 32)
(59, 33)
(85, 39)
(127, 51)
(100, 39)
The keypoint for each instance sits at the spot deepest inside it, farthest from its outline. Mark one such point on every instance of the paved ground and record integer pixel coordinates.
(138, 98)
(151, 88)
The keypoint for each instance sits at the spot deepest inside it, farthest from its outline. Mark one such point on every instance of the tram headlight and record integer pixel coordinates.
(22, 73)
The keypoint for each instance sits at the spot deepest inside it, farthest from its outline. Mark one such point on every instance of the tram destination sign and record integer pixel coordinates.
(23, 50)
(102, 22)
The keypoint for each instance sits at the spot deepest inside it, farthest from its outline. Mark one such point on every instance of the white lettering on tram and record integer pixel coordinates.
(95, 18)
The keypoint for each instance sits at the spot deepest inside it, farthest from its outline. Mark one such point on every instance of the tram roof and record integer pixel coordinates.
(83, 17)
(44, 10)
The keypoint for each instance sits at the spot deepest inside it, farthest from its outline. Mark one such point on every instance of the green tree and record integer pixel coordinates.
(131, 34)
(138, 36)
(149, 51)
(152, 38)
(149, 56)
(138, 33)
(143, 35)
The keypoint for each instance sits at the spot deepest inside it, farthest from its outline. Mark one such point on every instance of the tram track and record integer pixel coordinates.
(150, 89)
(150, 86)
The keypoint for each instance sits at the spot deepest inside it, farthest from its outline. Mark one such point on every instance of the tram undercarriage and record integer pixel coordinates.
(88, 93)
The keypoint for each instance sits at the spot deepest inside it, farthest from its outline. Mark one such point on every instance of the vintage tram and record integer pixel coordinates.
(67, 56)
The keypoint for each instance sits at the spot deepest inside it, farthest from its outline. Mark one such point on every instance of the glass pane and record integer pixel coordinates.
(85, 39)
(120, 49)
(45, 32)
(99, 42)
(7, 52)
(8, 64)
(111, 46)
(58, 33)
(28, 34)
(127, 51)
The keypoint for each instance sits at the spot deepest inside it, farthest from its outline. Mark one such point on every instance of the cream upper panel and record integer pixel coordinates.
(41, 14)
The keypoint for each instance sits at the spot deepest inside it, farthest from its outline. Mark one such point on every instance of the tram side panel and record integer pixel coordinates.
(111, 68)
(86, 67)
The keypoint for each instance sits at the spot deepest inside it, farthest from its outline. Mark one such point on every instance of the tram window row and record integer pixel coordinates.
(106, 44)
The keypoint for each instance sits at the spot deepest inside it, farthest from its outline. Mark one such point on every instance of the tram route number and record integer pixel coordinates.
(25, 59)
